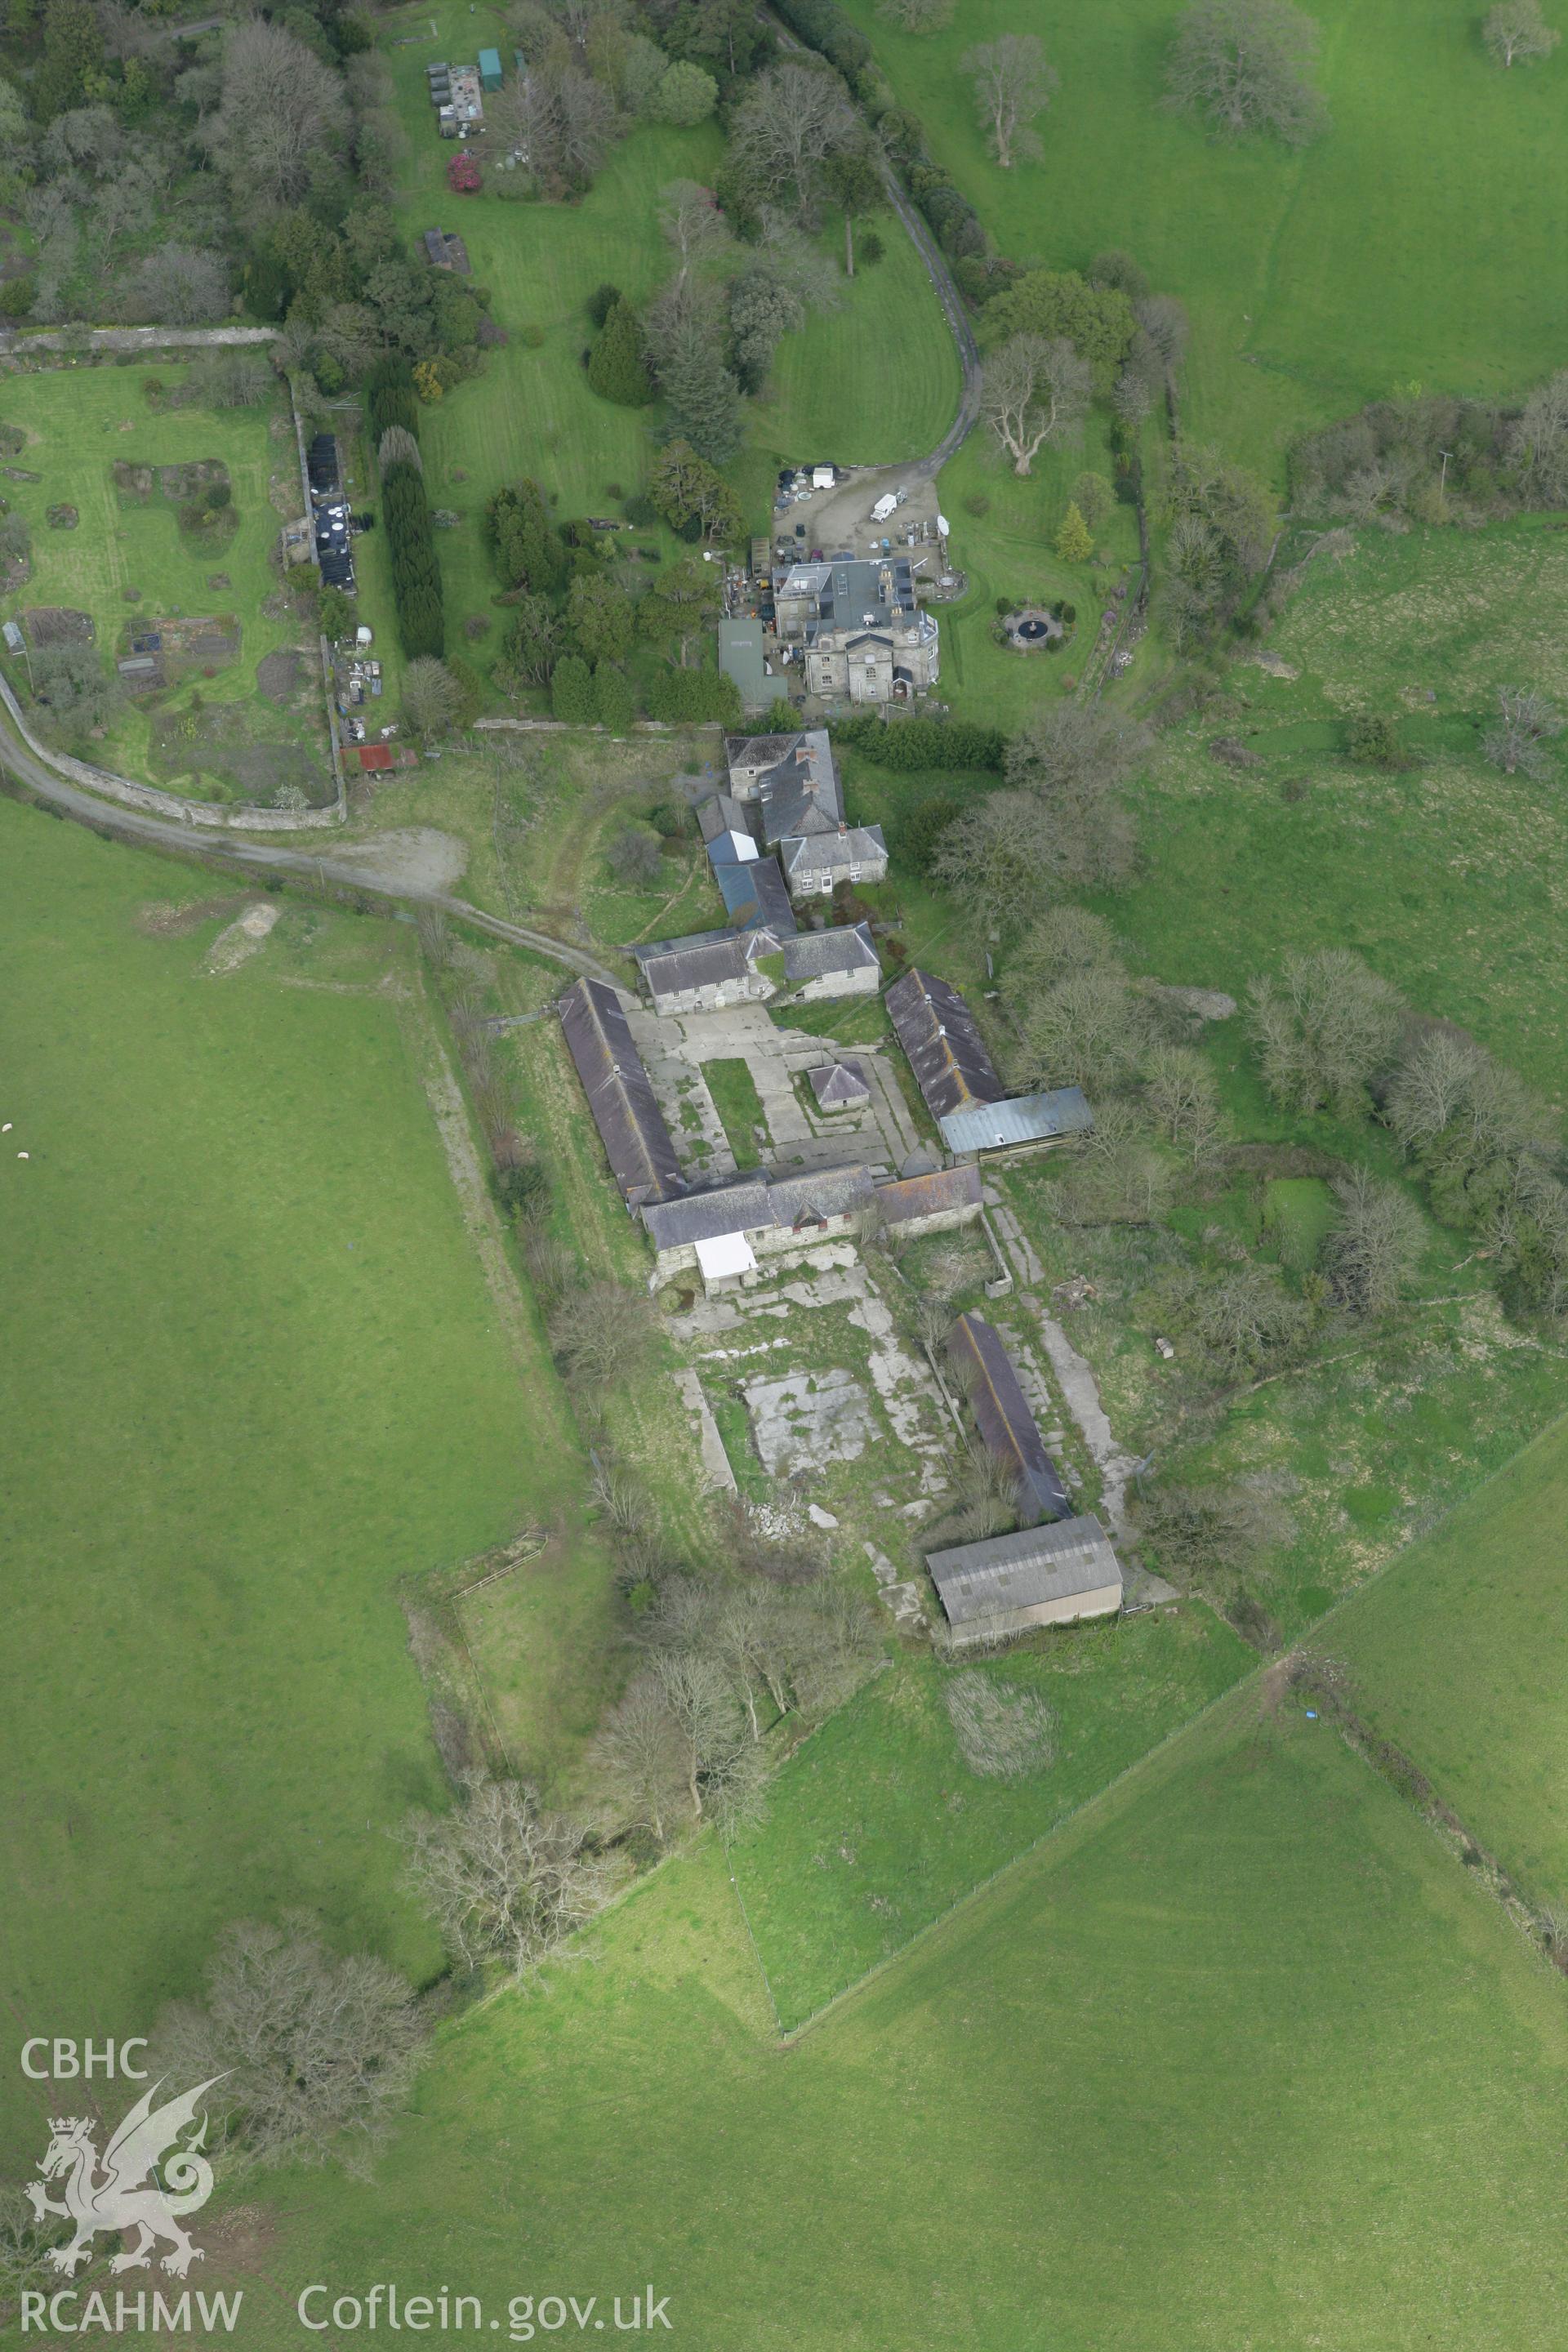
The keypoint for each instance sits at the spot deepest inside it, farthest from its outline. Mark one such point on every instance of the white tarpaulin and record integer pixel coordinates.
(727, 1253)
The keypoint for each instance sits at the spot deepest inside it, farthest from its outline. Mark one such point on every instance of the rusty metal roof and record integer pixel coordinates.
(1003, 1416)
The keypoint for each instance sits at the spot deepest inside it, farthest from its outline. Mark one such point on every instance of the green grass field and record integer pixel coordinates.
(1448, 877)
(1457, 1655)
(877, 1825)
(254, 1379)
(1241, 2057)
(77, 421)
(1415, 242)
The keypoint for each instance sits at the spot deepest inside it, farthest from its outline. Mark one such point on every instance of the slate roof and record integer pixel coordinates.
(944, 1190)
(722, 814)
(840, 1082)
(706, 959)
(757, 1203)
(1003, 1417)
(811, 954)
(626, 1110)
(757, 751)
(946, 1051)
(1021, 1119)
(846, 846)
(977, 1581)
(756, 895)
(800, 792)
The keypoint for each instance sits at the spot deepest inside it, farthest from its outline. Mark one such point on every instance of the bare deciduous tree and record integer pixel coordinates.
(601, 1333)
(1001, 859)
(1185, 1097)
(1241, 64)
(430, 697)
(1526, 723)
(917, 15)
(178, 286)
(1324, 1030)
(318, 2052)
(639, 1753)
(1033, 390)
(397, 446)
(1013, 85)
(1516, 32)
(1085, 1029)
(1244, 1319)
(280, 109)
(503, 1879)
(1376, 1244)
(792, 119)
(635, 858)
(1433, 1083)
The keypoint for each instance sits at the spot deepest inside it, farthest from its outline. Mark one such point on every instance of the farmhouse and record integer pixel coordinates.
(1054, 1575)
(857, 625)
(946, 1051)
(815, 863)
(1021, 1122)
(626, 1110)
(1002, 1413)
(708, 971)
(789, 786)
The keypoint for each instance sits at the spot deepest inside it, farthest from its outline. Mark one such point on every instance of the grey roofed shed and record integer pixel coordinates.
(946, 1051)
(944, 1191)
(1008, 1583)
(810, 954)
(1004, 1419)
(626, 1110)
(1020, 1119)
(741, 658)
(837, 1084)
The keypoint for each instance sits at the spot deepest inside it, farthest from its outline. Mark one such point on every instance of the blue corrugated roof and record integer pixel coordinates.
(1026, 1119)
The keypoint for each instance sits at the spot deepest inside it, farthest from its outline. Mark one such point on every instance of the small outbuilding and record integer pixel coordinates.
(841, 962)
(1008, 1585)
(741, 658)
(839, 1086)
(489, 69)
(946, 1052)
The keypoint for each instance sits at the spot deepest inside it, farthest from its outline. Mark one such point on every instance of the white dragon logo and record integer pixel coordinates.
(128, 2195)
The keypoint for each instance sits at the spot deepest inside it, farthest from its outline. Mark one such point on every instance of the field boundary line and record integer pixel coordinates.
(1178, 1731)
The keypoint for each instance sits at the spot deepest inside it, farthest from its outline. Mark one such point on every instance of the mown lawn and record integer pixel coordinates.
(1241, 2057)
(253, 1379)
(77, 420)
(1459, 1655)
(877, 1824)
(1415, 242)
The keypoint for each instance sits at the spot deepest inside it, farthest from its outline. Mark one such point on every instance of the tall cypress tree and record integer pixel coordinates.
(617, 366)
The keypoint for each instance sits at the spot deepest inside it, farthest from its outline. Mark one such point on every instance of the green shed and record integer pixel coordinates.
(489, 69)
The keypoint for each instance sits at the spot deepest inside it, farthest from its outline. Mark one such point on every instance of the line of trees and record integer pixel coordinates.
(392, 417)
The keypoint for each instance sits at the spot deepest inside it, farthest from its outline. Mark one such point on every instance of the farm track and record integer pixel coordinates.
(261, 860)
